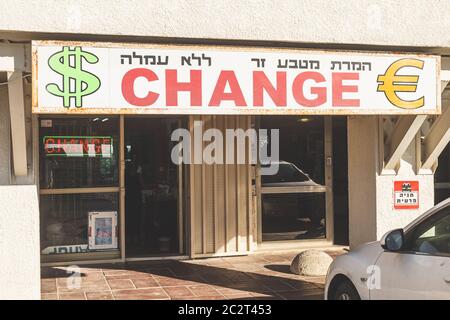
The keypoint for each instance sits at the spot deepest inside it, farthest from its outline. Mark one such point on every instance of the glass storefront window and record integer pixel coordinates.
(67, 223)
(79, 152)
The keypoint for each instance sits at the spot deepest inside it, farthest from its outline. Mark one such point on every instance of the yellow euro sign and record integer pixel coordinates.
(390, 83)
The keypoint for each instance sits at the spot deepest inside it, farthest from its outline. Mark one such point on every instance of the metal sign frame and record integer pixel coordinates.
(107, 109)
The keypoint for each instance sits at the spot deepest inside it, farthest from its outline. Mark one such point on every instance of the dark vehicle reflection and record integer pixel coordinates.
(298, 212)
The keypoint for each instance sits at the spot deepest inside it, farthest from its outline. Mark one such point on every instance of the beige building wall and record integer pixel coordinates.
(418, 25)
(371, 192)
(409, 23)
(19, 243)
(19, 209)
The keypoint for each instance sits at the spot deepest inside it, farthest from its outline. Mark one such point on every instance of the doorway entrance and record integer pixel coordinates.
(153, 206)
(296, 203)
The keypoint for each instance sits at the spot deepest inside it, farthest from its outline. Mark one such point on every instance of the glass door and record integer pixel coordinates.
(153, 215)
(294, 202)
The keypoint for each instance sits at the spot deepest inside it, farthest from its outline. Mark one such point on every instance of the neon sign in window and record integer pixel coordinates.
(78, 146)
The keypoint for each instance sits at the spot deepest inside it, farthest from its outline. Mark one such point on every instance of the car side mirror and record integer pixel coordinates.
(393, 240)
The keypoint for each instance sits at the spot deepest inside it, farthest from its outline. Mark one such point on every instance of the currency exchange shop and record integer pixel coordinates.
(150, 151)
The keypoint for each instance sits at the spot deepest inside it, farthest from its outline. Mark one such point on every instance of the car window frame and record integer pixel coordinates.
(429, 221)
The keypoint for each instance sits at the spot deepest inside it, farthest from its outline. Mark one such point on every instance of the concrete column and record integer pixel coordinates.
(371, 194)
(19, 211)
(19, 243)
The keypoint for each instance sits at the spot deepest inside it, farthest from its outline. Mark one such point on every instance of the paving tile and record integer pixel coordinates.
(140, 297)
(247, 259)
(240, 287)
(276, 285)
(177, 281)
(130, 277)
(145, 283)
(182, 270)
(73, 287)
(215, 278)
(102, 295)
(266, 296)
(161, 271)
(235, 276)
(48, 285)
(49, 296)
(204, 291)
(178, 292)
(141, 294)
(245, 267)
(300, 285)
(204, 298)
(71, 290)
(260, 276)
(320, 280)
(318, 296)
(218, 262)
(72, 296)
(239, 296)
(302, 295)
(276, 258)
(65, 282)
(131, 273)
(62, 282)
(93, 277)
(115, 284)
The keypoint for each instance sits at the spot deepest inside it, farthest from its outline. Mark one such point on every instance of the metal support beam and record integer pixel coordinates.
(17, 116)
(402, 136)
(444, 85)
(437, 139)
(445, 79)
(439, 135)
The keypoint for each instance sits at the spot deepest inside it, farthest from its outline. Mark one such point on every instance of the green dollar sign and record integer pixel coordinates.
(84, 83)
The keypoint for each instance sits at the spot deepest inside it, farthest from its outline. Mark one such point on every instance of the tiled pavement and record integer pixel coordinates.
(259, 276)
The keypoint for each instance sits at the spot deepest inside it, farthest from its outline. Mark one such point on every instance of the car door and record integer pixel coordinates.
(421, 270)
(433, 241)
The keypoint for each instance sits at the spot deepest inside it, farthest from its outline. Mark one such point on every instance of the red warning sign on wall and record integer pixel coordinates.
(406, 194)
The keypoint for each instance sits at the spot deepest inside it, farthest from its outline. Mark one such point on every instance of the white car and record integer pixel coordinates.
(409, 263)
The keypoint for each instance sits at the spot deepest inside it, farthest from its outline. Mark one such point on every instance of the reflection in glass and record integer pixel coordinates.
(442, 176)
(290, 211)
(301, 143)
(79, 153)
(288, 175)
(65, 220)
(293, 216)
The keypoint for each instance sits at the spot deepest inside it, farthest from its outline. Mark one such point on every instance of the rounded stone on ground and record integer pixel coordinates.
(311, 263)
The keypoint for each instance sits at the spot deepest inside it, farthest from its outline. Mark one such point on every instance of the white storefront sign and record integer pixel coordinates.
(149, 79)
